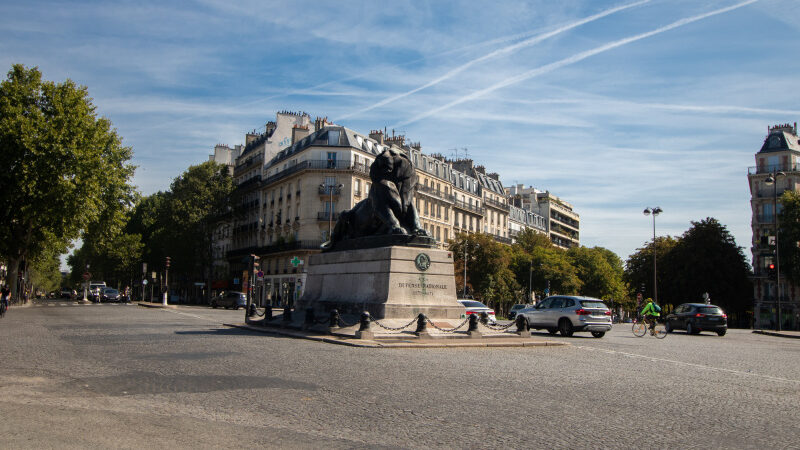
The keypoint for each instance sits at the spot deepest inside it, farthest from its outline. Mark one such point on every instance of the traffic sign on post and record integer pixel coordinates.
(87, 275)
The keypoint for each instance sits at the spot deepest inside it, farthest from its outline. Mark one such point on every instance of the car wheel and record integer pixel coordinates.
(214, 305)
(690, 328)
(565, 327)
(668, 327)
(721, 332)
(598, 334)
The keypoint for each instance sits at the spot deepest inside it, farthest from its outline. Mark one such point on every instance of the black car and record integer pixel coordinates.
(697, 317)
(512, 314)
(230, 299)
(109, 295)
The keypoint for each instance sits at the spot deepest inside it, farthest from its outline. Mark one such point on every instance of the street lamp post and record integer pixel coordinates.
(772, 179)
(530, 278)
(654, 211)
(330, 189)
(464, 292)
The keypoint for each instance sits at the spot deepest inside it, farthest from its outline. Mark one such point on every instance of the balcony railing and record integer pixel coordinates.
(467, 207)
(764, 218)
(326, 215)
(502, 240)
(434, 193)
(318, 164)
(769, 168)
(328, 190)
(496, 204)
(252, 182)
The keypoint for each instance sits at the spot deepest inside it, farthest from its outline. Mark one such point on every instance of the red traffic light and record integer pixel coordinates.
(771, 266)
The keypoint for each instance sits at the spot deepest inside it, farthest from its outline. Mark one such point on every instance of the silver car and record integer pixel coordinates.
(568, 314)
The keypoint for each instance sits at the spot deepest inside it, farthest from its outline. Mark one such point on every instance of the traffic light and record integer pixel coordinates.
(168, 260)
(771, 271)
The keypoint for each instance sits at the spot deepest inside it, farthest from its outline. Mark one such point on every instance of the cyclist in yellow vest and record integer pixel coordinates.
(650, 313)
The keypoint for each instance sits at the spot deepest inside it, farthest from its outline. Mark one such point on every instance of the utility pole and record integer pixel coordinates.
(166, 282)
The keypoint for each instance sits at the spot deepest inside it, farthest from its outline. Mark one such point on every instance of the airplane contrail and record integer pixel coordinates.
(572, 60)
(501, 51)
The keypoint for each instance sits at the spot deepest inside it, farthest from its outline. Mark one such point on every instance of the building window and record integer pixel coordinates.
(331, 160)
(333, 137)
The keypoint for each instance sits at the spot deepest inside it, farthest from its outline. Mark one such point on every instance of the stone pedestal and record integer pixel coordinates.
(395, 282)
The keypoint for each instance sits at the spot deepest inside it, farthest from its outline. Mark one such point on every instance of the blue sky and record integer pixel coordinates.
(612, 105)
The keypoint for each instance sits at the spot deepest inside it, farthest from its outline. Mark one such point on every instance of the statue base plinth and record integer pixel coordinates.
(388, 282)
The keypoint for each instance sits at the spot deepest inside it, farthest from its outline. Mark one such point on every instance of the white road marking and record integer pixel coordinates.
(683, 363)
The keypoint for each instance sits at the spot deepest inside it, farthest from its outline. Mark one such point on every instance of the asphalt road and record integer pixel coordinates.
(100, 376)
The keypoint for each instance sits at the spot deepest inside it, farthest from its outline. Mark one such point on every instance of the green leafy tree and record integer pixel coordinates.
(639, 270)
(63, 167)
(707, 259)
(488, 273)
(600, 271)
(789, 239)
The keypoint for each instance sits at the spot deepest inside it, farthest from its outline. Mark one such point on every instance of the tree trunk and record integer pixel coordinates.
(13, 276)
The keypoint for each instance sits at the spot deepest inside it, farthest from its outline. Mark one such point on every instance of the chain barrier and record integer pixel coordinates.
(254, 310)
(498, 327)
(413, 321)
(344, 324)
(446, 330)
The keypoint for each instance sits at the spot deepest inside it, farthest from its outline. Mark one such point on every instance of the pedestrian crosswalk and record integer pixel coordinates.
(54, 304)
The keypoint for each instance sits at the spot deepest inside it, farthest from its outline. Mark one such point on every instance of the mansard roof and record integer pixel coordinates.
(780, 140)
(331, 136)
(491, 184)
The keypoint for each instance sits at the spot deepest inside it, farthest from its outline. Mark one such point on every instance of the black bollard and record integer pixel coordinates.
(422, 324)
(473, 323)
(522, 327)
(309, 319)
(252, 310)
(287, 314)
(364, 322)
(334, 319)
(484, 318)
(363, 328)
(267, 314)
(521, 324)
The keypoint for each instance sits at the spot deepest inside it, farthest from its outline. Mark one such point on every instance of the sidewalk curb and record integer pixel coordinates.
(402, 343)
(776, 334)
(157, 305)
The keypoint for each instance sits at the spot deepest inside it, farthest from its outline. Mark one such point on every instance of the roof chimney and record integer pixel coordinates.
(299, 132)
(377, 135)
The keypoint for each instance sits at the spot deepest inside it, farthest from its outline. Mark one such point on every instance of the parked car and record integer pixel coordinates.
(109, 295)
(512, 313)
(67, 293)
(476, 307)
(697, 317)
(568, 314)
(230, 299)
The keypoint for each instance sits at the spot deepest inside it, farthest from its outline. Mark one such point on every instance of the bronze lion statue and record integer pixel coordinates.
(389, 208)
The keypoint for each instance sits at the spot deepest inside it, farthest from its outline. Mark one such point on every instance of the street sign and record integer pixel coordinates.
(87, 275)
(259, 276)
(144, 267)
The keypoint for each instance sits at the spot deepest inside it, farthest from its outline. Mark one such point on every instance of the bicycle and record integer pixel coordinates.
(640, 328)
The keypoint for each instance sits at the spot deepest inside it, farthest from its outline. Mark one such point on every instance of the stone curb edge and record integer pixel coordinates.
(776, 333)
(428, 343)
(156, 305)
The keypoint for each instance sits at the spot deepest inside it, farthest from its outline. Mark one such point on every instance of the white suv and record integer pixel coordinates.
(568, 314)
